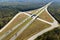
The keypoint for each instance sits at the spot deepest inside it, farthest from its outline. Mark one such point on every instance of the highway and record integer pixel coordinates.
(31, 21)
(20, 31)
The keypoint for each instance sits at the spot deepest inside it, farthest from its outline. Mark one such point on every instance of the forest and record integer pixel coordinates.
(50, 35)
(54, 10)
(6, 14)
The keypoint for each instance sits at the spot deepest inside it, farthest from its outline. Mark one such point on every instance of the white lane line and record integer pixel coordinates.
(20, 31)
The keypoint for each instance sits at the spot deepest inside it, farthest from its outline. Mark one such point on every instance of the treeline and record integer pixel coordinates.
(6, 14)
(54, 10)
(51, 35)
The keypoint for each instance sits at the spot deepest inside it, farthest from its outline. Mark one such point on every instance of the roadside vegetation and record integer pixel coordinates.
(54, 9)
(6, 14)
(51, 35)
